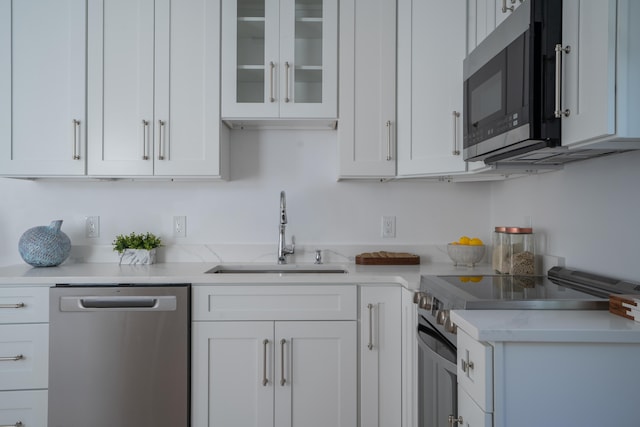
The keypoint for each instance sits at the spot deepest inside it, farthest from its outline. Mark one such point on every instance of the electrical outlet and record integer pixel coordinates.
(388, 226)
(179, 226)
(92, 227)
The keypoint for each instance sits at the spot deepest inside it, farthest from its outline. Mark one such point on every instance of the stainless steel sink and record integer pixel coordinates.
(275, 269)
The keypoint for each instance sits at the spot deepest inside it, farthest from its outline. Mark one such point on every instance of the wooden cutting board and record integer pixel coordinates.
(387, 258)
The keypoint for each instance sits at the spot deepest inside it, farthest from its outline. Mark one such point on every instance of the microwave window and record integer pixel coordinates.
(486, 99)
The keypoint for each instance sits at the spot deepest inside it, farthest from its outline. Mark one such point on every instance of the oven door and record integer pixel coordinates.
(437, 384)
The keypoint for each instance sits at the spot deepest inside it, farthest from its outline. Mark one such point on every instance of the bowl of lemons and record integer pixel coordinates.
(466, 251)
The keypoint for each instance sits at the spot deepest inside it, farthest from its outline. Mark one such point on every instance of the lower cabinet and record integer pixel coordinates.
(249, 372)
(24, 408)
(297, 367)
(380, 356)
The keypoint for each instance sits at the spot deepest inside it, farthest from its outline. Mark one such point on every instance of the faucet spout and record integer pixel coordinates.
(283, 248)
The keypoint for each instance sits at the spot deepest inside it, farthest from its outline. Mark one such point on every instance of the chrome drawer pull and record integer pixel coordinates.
(145, 139)
(18, 424)
(76, 138)
(18, 305)
(455, 151)
(559, 112)
(283, 381)
(11, 359)
(370, 345)
(265, 380)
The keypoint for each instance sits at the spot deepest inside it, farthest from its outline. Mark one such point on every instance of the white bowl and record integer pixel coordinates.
(465, 254)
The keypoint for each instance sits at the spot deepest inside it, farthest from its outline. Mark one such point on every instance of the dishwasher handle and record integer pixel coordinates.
(118, 303)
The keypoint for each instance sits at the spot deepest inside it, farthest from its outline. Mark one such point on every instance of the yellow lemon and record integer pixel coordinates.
(475, 242)
(455, 243)
(464, 240)
(475, 279)
(464, 279)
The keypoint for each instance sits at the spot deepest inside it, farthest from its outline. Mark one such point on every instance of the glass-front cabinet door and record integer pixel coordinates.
(279, 59)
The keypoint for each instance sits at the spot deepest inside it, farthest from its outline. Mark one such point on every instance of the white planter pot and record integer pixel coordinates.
(138, 256)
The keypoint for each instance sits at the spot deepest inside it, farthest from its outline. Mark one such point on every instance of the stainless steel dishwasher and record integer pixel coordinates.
(119, 356)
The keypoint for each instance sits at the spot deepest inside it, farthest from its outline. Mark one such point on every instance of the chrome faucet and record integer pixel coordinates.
(283, 249)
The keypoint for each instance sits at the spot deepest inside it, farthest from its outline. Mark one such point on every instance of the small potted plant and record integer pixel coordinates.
(137, 248)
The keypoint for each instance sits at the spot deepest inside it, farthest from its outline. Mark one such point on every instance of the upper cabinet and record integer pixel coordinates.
(483, 16)
(42, 87)
(367, 129)
(430, 86)
(279, 59)
(601, 62)
(153, 90)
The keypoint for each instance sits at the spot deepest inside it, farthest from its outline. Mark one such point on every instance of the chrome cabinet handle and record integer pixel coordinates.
(455, 151)
(389, 153)
(12, 358)
(370, 345)
(18, 305)
(453, 420)
(161, 137)
(76, 139)
(559, 113)
(271, 67)
(17, 424)
(505, 8)
(283, 381)
(145, 139)
(265, 380)
(286, 80)
(466, 366)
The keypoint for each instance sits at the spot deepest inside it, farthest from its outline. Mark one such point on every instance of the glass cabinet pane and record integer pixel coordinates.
(307, 73)
(250, 51)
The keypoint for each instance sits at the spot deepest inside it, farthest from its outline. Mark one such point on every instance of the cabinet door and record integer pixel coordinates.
(120, 90)
(315, 382)
(430, 86)
(380, 357)
(230, 362)
(366, 134)
(250, 58)
(187, 132)
(504, 8)
(42, 87)
(308, 58)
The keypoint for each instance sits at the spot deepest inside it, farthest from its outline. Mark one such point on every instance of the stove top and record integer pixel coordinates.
(561, 289)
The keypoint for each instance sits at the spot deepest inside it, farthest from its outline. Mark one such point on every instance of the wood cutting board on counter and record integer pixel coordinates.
(387, 258)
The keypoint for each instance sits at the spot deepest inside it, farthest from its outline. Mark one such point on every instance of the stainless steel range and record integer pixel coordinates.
(561, 289)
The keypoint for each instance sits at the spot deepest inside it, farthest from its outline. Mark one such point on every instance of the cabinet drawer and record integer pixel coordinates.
(26, 407)
(472, 415)
(475, 370)
(24, 305)
(268, 302)
(24, 356)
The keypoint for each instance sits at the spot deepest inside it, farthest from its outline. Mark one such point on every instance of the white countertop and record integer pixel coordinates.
(194, 273)
(547, 326)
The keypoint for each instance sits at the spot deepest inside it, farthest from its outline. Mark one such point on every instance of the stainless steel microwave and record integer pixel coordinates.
(510, 85)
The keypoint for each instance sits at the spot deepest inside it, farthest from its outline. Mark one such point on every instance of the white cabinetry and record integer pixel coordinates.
(24, 355)
(367, 130)
(279, 59)
(600, 86)
(274, 356)
(431, 48)
(380, 356)
(42, 87)
(153, 90)
(548, 380)
(483, 16)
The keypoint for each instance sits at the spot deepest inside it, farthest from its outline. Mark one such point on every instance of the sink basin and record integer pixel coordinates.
(275, 269)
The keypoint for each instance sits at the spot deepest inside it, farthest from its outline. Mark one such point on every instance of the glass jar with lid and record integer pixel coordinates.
(500, 250)
(521, 248)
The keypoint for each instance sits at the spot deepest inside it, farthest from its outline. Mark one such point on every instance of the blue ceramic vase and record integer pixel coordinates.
(45, 246)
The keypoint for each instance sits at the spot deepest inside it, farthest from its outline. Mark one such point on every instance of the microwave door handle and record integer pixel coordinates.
(559, 113)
